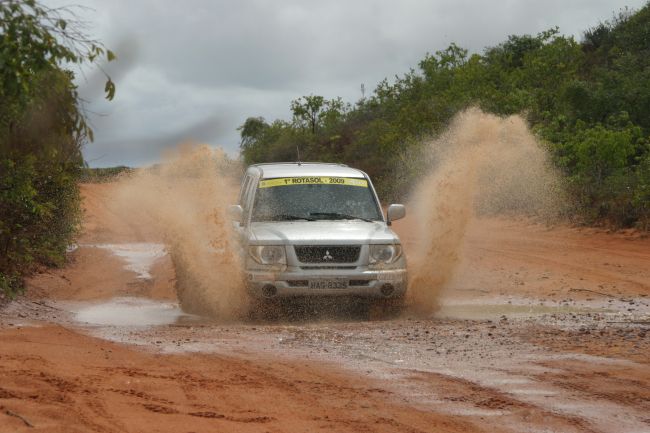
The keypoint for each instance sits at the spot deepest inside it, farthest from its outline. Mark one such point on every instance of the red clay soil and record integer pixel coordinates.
(55, 380)
(523, 258)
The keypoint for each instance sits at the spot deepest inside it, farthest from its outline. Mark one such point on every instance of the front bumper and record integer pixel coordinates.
(365, 283)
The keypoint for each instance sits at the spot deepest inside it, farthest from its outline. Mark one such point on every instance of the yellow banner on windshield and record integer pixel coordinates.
(320, 180)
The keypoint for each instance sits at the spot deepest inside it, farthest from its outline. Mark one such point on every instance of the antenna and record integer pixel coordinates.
(298, 152)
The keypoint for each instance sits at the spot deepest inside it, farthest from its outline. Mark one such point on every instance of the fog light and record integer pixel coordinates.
(387, 289)
(269, 291)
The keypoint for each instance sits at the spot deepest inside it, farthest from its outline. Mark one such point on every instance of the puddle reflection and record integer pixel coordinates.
(132, 312)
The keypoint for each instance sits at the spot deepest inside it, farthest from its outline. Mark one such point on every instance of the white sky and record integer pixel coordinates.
(197, 69)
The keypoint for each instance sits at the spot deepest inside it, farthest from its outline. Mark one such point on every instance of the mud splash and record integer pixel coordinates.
(139, 257)
(483, 164)
(185, 200)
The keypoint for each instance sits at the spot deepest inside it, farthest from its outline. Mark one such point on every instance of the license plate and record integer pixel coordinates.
(389, 276)
(328, 284)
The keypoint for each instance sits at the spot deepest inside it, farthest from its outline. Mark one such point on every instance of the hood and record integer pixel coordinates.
(321, 233)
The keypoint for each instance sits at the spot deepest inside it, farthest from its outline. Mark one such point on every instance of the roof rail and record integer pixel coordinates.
(298, 163)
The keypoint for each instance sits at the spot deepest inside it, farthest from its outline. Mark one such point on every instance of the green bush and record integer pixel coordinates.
(42, 130)
(100, 175)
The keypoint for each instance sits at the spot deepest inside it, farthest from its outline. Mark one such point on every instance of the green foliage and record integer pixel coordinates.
(42, 130)
(101, 175)
(589, 100)
(252, 131)
(315, 112)
(603, 168)
(640, 200)
(600, 152)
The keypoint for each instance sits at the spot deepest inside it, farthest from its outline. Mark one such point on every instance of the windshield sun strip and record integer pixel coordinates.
(313, 180)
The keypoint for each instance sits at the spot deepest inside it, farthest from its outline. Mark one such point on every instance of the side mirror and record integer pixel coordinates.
(395, 212)
(235, 212)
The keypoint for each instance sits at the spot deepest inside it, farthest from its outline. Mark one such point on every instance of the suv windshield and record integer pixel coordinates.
(317, 198)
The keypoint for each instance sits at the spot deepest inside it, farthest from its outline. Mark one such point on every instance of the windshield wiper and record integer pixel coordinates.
(335, 215)
(286, 217)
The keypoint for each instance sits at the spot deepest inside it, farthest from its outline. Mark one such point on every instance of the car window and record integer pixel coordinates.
(314, 199)
(242, 191)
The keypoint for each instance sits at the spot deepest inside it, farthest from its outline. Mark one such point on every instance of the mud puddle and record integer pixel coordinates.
(473, 311)
(482, 368)
(130, 312)
(488, 369)
(473, 368)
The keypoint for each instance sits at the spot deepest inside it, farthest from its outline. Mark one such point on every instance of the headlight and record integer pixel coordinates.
(268, 254)
(384, 254)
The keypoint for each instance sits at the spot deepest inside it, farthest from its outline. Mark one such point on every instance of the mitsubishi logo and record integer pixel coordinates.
(327, 256)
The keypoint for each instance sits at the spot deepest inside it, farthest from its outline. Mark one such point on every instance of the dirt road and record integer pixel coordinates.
(541, 330)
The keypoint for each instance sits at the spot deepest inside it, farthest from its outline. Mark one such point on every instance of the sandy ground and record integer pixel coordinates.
(541, 330)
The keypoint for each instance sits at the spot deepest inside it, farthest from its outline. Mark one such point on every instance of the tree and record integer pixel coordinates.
(312, 112)
(306, 110)
(251, 131)
(42, 131)
(36, 38)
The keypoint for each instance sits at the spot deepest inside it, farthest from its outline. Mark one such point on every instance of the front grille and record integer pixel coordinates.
(308, 268)
(327, 254)
(359, 282)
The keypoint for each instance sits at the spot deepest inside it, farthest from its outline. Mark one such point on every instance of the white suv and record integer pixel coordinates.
(311, 229)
